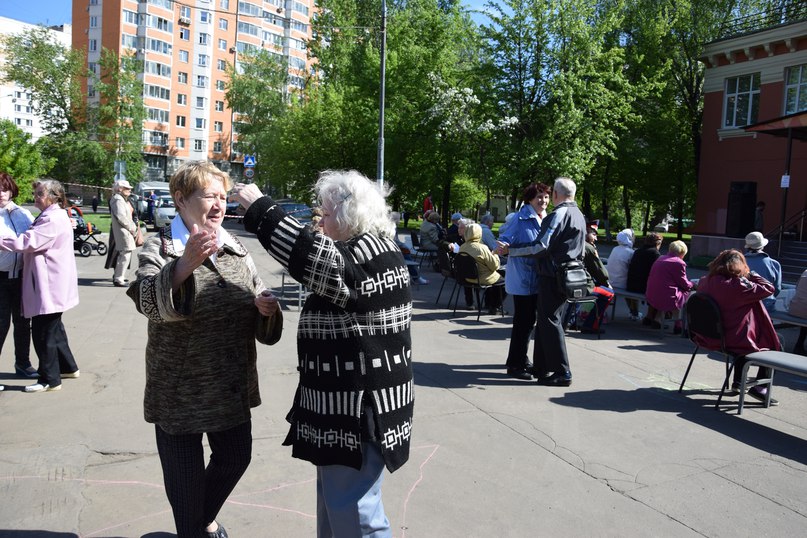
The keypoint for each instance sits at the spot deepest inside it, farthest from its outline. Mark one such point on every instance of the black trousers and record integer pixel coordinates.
(524, 314)
(196, 492)
(550, 348)
(10, 310)
(52, 348)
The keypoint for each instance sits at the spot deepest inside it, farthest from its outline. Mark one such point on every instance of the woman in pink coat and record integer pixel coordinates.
(668, 286)
(49, 283)
(747, 327)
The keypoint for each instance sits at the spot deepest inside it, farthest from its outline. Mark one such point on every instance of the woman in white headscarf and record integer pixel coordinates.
(618, 263)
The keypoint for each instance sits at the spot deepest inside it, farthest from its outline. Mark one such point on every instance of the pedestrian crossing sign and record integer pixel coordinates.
(249, 161)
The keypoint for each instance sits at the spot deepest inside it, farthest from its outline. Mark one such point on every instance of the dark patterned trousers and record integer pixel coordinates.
(10, 294)
(52, 348)
(196, 492)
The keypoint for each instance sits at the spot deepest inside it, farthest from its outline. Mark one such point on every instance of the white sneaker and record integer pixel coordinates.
(2, 388)
(39, 387)
(422, 280)
(71, 375)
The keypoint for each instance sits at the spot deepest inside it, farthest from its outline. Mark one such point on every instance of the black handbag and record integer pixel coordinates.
(573, 280)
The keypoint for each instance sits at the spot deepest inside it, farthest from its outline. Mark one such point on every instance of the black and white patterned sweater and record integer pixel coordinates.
(353, 341)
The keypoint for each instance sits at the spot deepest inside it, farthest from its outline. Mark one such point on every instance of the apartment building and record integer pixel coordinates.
(16, 103)
(185, 47)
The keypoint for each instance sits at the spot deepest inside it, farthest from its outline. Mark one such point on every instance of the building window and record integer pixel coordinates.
(796, 89)
(183, 56)
(93, 21)
(222, 44)
(219, 106)
(182, 78)
(220, 85)
(93, 45)
(200, 102)
(216, 147)
(742, 100)
(90, 91)
(202, 59)
(204, 16)
(204, 39)
(185, 11)
(224, 4)
(201, 81)
(180, 143)
(198, 145)
(181, 121)
(157, 114)
(201, 123)
(29, 123)
(182, 99)
(221, 65)
(184, 34)
(223, 24)
(218, 126)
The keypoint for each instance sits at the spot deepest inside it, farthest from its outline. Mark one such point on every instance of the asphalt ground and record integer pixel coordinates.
(619, 453)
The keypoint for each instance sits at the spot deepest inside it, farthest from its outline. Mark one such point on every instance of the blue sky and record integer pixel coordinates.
(48, 12)
(51, 12)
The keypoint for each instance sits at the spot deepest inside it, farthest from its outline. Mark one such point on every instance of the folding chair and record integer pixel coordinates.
(705, 324)
(447, 270)
(420, 253)
(466, 272)
(595, 311)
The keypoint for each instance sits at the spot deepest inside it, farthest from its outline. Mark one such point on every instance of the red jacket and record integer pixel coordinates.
(668, 286)
(747, 327)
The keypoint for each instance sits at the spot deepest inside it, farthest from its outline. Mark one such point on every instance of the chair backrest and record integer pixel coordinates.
(415, 238)
(444, 262)
(704, 319)
(466, 269)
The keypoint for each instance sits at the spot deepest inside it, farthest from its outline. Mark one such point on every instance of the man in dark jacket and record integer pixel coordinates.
(598, 280)
(560, 240)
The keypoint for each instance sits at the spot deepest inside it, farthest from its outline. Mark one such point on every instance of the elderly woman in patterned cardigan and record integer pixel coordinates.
(352, 413)
(193, 280)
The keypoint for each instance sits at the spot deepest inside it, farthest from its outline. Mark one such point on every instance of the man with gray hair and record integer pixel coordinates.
(487, 234)
(561, 239)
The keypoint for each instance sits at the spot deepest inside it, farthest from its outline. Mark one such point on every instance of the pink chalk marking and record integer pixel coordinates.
(418, 481)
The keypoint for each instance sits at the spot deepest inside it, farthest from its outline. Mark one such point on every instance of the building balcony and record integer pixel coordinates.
(765, 20)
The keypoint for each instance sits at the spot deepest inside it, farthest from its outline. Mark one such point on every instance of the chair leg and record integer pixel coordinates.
(453, 290)
(726, 381)
(686, 374)
(441, 290)
(478, 304)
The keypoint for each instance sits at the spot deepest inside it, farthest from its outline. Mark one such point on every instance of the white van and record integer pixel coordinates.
(142, 191)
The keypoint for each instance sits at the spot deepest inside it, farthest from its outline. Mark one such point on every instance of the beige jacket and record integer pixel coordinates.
(124, 227)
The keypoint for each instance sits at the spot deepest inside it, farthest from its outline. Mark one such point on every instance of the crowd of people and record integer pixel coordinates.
(354, 362)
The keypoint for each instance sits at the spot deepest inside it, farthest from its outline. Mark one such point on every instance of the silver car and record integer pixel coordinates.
(164, 211)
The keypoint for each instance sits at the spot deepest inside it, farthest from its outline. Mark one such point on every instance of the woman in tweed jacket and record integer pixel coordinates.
(194, 280)
(352, 413)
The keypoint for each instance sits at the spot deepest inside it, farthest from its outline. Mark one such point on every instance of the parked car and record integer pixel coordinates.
(298, 210)
(232, 208)
(75, 199)
(164, 211)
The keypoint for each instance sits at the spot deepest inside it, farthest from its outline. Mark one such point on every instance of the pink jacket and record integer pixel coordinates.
(49, 277)
(667, 285)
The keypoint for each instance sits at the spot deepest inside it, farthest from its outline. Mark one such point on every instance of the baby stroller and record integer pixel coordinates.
(84, 234)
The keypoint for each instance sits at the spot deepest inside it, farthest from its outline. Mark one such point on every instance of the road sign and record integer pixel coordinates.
(249, 161)
(249, 173)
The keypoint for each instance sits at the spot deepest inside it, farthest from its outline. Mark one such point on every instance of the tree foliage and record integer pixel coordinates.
(20, 158)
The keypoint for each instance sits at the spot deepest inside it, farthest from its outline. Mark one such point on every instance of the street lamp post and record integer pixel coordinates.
(380, 160)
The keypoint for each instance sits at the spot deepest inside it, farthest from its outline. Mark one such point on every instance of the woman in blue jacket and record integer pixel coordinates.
(520, 278)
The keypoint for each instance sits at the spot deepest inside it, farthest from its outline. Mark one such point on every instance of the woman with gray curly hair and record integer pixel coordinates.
(352, 413)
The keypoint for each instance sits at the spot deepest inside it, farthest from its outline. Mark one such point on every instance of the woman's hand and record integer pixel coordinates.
(502, 249)
(201, 244)
(267, 304)
(245, 194)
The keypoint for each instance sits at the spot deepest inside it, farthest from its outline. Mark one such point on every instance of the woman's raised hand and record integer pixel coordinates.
(245, 194)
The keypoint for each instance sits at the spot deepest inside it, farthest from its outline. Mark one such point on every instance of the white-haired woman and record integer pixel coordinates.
(49, 283)
(352, 414)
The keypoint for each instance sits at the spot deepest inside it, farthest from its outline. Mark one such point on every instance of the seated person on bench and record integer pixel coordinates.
(747, 327)
(798, 308)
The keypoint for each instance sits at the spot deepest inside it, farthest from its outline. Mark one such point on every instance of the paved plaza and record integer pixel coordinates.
(619, 453)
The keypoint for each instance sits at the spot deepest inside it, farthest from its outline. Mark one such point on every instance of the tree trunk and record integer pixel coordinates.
(626, 207)
(605, 211)
(646, 223)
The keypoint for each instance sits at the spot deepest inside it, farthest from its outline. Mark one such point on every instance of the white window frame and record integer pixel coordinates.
(735, 94)
(797, 89)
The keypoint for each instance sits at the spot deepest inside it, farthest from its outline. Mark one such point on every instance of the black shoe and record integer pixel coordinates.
(29, 371)
(221, 532)
(558, 379)
(647, 322)
(519, 373)
(760, 393)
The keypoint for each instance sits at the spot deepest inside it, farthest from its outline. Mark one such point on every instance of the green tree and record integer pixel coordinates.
(20, 158)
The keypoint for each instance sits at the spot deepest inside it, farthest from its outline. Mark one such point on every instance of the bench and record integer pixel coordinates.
(775, 360)
(787, 319)
(642, 298)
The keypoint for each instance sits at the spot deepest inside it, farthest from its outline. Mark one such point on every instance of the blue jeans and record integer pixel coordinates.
(349, 500)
